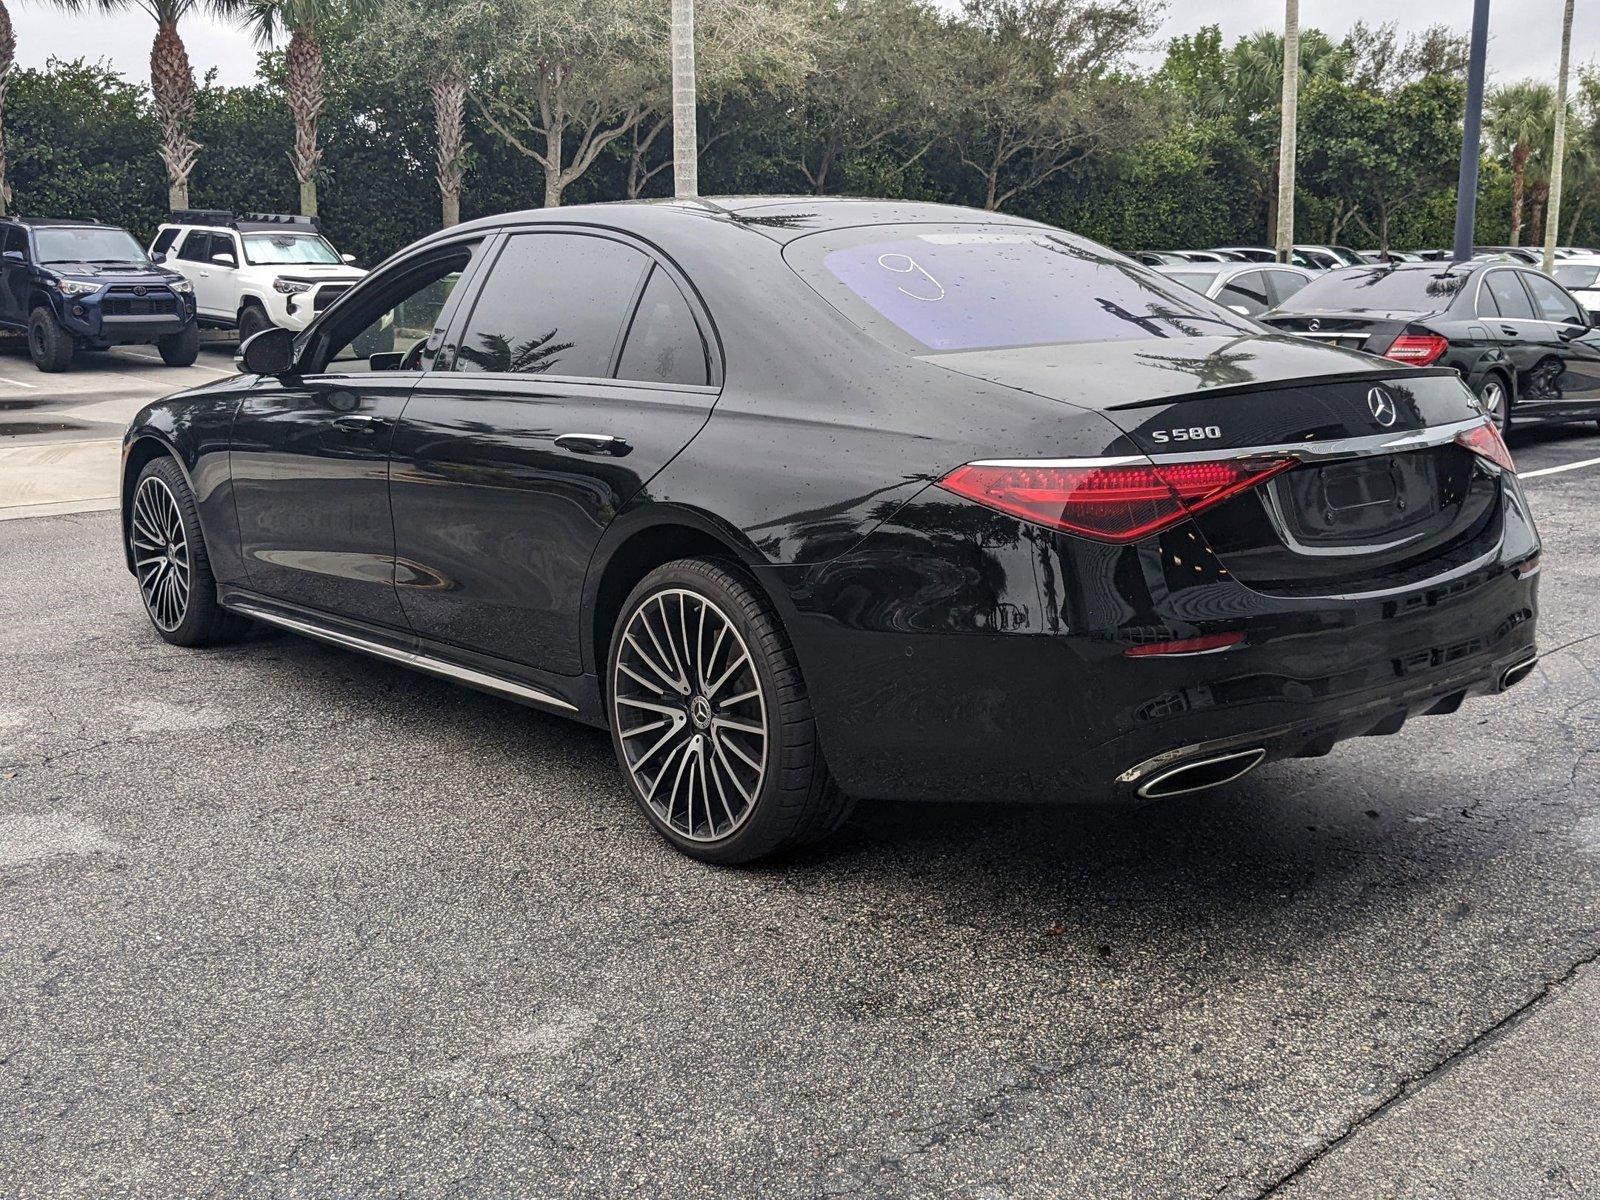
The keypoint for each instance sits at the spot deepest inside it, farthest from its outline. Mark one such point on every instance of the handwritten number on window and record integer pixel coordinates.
(893, 262)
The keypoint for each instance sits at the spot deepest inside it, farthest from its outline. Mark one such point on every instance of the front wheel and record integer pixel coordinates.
(252, 320)
(170, 561)
(50, 346)
(182, 348)
(710, 718)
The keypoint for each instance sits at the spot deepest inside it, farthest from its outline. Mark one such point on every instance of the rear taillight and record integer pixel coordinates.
(1417, 349)
(1485, 441)
(1111, 501)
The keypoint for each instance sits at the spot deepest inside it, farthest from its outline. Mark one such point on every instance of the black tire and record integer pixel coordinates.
(252, 320)
(1494, 397)
(796, 801)
(203, 621)
(50, 346)
(182, 348)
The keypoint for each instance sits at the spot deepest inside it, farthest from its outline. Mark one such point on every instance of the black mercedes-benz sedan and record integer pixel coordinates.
(1524, 345)
(812, 499)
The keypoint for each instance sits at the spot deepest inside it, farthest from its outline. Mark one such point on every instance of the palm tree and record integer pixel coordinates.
(269, 20)
(1521, 121)
(171, 79)
(8, 56)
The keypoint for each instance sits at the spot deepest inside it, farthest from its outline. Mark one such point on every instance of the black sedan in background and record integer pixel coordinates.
(1524, 345)
(810, 499)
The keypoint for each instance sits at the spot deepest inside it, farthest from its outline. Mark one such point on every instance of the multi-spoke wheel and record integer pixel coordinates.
(710, 719)
(1495, 401)
(160, 553)
(168, 555)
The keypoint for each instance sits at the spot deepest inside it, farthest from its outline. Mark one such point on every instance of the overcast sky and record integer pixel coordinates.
(1525, 35)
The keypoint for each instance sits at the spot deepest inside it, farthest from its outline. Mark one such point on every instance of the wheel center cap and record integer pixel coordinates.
(700, 712)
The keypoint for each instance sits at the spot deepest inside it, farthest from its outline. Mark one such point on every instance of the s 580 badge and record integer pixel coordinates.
(1195, 433)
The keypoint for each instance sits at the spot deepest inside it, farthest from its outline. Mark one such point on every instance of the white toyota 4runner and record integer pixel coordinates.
(254, 270)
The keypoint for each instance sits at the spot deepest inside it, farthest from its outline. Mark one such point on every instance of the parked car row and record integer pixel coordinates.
(1331, 258)
(74, 284)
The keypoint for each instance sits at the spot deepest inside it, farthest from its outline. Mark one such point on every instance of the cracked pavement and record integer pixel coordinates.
(280, 921)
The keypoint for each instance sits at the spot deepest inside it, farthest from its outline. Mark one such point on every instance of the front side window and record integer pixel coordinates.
(1551, 303)
(88, 244)
(1508, 295)
(1283, 284)
(387, 324)
(664, 343)
(287, 249)
(925, 288)
(553, 304)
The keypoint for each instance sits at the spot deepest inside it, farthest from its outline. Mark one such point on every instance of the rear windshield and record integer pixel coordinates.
(1379, 289)
(1198, 280)
(927, 288)
(1577, 277)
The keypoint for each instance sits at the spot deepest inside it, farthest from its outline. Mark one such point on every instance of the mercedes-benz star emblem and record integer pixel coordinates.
(1315, 325)
(1382, 406)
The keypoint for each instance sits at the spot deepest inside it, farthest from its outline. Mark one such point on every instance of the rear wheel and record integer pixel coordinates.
(170, 561)
(710, 718)
(49, 345)
(182, 348)
(1495, 400)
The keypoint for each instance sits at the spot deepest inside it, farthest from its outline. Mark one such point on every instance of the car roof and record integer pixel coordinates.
(1230, 268)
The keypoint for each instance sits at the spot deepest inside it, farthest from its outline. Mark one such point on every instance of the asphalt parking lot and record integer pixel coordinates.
(277, 920)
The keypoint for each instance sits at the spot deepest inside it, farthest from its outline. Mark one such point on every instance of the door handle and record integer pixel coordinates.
(1509, 330)
(360, 423)
(593, 443)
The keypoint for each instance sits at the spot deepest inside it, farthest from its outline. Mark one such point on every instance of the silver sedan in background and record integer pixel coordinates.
(1248, 288)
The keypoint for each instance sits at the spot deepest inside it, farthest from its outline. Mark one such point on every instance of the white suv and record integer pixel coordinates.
(254, 270)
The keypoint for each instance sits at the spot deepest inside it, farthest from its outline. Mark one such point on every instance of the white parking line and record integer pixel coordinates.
(1588, 462)
(192, 366)
(18, 383)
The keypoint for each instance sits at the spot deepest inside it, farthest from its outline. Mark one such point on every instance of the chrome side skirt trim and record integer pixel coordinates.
(408, 658)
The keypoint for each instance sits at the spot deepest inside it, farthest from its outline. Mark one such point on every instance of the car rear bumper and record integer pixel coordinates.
(995, 665)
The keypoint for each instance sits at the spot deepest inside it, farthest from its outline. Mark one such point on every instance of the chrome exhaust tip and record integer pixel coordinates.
(1198, 774)
(1517, 672)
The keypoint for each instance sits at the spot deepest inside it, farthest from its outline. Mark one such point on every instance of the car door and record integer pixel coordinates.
(310, 457)
(1506, 312)
(194, 260)
(14, 279)
(580, 370)
(1571, 346)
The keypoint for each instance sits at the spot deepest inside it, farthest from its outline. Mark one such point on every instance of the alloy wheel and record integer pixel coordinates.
(690, 715)
(160, 553)
(1493, 399)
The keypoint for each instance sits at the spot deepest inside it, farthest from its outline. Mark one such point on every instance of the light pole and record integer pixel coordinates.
(1472, 136)
(685, 154)
(1287, 130)
(1558, 152)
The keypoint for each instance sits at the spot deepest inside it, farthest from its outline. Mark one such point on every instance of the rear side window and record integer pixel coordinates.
(553, 303)
(1551, 302)
(163, 241)
(664, 344)
(15, 240)
(1283, 284)
(1508, 294)
(926, 288)
(1247, 291)
(1380, 289)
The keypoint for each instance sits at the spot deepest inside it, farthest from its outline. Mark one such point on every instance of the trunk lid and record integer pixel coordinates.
(1383, 485)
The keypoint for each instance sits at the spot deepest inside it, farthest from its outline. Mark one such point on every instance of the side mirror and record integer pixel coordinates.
(158, 256)
(1240, 309)
(13, 256)
(349, 260)
(224, 260)
(270, 352)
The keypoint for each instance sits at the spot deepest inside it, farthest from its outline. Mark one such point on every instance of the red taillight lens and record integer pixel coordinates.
(1485, 440)
(1208, 643)
(1417, 349)
(1116, 502)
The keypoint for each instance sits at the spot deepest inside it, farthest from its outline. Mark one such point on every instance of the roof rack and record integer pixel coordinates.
(243, 221)
(51, 220)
